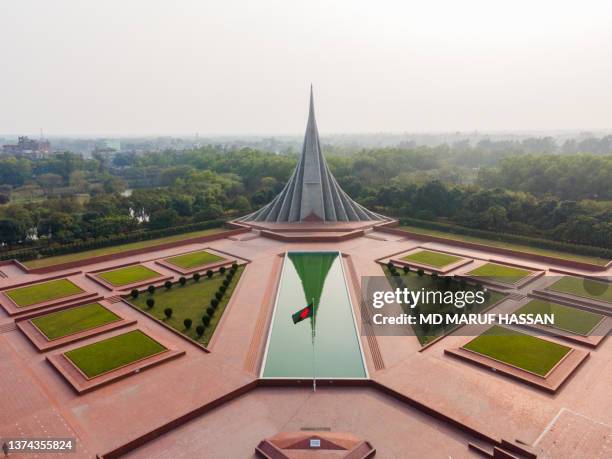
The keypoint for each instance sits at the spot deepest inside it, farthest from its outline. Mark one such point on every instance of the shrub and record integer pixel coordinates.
(226, 282)
(168, 312)
(123, 238)
(214, 303)
(187, 323)
(135, 293)
(390, 266)
(150, 302)
(199, 330)
(151, 289)
(234, 266)
(406, 269)
(182, 281)
(219, 295)
(505, 237)
(209, 273)
(206, 320)
(210, 310)
(222, 269)
(168, 285)
(222, 288)
(196, 277)
(420, 272)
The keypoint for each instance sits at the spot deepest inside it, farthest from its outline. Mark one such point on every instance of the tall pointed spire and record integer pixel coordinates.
(312, 193)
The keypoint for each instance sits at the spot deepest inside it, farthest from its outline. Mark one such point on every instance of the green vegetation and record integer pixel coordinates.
(518, 349)
(553, 174)
(415, 281)
(103, 356)
(194, 259)
(431, 258)
(587, 288)
(547, 222)
(74, 320)
(500, 273)
(50, 261)
(128, 275)
(504, 241)
(191, 302)
(566, 318)
(39, 293)
(561, 202)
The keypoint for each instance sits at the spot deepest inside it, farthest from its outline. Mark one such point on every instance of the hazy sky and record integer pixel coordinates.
(121, 67)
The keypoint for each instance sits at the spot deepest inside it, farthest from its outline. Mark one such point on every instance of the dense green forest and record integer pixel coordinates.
(564, 197)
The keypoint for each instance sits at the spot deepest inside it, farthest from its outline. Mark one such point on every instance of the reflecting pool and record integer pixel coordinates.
(315, 278)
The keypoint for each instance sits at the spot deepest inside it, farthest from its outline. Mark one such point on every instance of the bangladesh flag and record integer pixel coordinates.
(312, 268)
(303, 313)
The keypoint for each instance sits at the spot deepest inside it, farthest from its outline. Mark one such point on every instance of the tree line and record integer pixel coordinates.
(561, 197)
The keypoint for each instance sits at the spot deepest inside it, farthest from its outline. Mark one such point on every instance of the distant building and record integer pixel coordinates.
(111, 144)
(27, 147)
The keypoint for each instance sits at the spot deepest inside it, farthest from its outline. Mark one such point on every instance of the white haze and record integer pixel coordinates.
(127, 67)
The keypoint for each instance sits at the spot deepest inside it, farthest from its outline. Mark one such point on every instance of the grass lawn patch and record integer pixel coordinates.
(74, 320)
(39, 293)
(430, 258)
(587, 288)
(128, 275)
(507, 245)
(58, 259)
(194, 259)
(500, 273)
(190, 302)
(566, 318)
(106, 355)
(518, 349)
(425, 332)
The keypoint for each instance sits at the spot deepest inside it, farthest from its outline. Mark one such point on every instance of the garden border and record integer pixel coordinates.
(132, 252)
(43, 344)
(463, 261)
(553, 381)
(581, 265)
(94, 276)
(64, 366)
(13, 309)
(203, 268)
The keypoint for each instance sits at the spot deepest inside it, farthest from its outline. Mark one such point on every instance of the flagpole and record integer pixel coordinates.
(314, 375)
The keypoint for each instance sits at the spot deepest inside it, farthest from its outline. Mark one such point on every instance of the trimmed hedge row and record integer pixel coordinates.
(504, 237)
(214, 302)
(98, 243)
